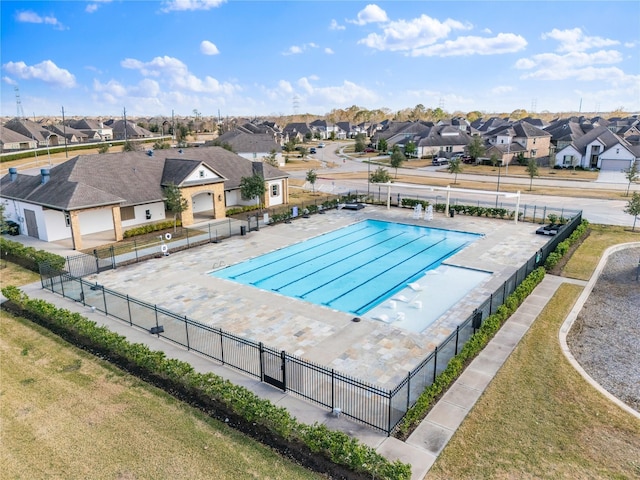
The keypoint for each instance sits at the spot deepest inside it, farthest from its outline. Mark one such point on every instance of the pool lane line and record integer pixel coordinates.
(306, 250)
(381, 273)
(329, 265)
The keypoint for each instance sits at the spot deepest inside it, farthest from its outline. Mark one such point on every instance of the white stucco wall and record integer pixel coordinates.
(156, 210)
(275, 199)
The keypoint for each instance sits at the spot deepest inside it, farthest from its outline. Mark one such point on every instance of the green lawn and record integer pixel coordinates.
(539, 418)
(66, 414)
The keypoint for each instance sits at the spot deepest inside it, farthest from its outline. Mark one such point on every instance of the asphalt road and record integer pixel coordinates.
(607, 212)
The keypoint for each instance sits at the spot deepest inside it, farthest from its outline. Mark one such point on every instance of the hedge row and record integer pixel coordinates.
(564, 246)
(213, 392)
(150, 228)
(29, 257)
(471, 349)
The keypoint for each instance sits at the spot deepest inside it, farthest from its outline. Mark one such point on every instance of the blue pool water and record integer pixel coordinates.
(351, 269)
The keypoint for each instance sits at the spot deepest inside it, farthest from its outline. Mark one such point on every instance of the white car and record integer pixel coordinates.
(321, 145)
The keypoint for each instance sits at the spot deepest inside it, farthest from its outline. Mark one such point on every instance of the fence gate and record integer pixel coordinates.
(105, 259)
(273, 371)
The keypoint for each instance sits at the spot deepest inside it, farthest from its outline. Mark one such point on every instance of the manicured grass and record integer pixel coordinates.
(583, 263)
(540, 419)
(66, 414)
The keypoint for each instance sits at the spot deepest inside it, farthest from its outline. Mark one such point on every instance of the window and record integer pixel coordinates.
(448, 149)
(201, 173)
(567, 160)
(533, 153)
(275, 190)
(127, 213)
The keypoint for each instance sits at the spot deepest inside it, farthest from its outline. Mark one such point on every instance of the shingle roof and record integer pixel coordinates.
(129, 178)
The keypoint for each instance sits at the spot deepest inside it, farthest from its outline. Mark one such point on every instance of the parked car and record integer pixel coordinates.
(468, 159)
(369, 150)
(11, 228)
(312, 150)
(321, 145)
(440, 161)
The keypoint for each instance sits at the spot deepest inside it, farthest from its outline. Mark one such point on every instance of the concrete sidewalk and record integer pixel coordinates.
(424, 445)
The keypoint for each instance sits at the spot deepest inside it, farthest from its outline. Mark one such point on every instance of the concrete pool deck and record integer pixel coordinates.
(370, 350)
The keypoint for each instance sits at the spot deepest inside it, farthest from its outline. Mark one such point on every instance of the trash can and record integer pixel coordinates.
(451, 213)
(243, 230)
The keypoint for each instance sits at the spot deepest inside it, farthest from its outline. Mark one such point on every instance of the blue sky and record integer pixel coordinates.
(246, 58)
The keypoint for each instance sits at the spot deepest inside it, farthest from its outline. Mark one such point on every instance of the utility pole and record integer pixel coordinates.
(64, 134)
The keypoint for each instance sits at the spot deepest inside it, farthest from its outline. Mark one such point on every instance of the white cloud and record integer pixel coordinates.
(190, 5)
(285, 87)
(472, 45)
(208, 48)
(574, 40)
(328, 51)
(402, 35)
(297, 49)
(577, 65)
(9, 81)
(336, 26)
(32, 17)
(346, 93)
(92, 7)
(176, 74)
(46, 71)
(370, 14)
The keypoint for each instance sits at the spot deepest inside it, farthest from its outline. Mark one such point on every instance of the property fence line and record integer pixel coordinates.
(379, 408)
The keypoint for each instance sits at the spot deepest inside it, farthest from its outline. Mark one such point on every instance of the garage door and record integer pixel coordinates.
(615, 165)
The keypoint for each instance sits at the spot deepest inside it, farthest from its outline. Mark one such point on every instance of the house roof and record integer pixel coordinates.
(603, 135)
(127, 178)
(243, 142)
(11, 136)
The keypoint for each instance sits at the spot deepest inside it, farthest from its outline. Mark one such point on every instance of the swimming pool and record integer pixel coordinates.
(352, 269)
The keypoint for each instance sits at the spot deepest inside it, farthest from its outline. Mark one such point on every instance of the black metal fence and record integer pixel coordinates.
(364, 402)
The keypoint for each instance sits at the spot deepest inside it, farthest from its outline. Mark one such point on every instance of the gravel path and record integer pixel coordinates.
(605, 338)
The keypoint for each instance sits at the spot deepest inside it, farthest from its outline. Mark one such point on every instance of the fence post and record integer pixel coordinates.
(155, 309)
(221, 345)
(186, 329)
(129, 308)
(435, 363)
(82, 292)
(135, 248)
(104, 299)
(260, 350)
(113, 256)
(62, 285)
(333, 374)
(408, 390)
(283, 357)
(457, 335)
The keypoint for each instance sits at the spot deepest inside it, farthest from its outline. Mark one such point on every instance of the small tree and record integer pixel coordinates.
(476, 147)
(397, 159)
(159, 145)
(271, 159)
(632, 175)
(104, 148)
(252, 187)
(381, 175)
(633, 208)
(410, 148)
(382, 145)
(175, 203)
(311, 177)
(289, 147)
(359, 146)
(455, 167)
(532, 170)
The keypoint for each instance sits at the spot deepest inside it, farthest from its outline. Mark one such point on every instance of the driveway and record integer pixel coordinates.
(612, 176)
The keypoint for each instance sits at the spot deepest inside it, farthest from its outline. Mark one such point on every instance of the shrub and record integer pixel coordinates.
(183, 380)
(471, 348)
(150, 228)
(29, 257)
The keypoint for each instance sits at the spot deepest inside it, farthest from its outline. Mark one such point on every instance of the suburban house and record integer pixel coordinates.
(599, 148)
(128, 130)
(35, 131)
(93, 128)
(507, 141)
(252, 144)
(11, 141)
(443, 140)
(112, 192)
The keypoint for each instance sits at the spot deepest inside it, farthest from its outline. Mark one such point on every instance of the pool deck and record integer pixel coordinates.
(370, 350)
